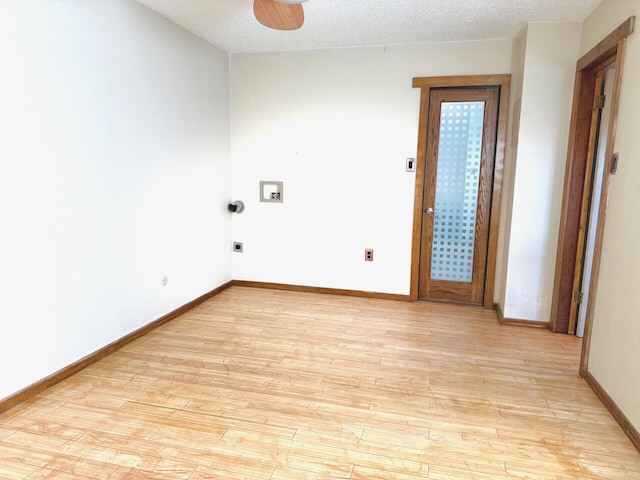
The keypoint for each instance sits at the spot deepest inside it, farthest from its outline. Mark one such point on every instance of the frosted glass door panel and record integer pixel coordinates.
(456, 193)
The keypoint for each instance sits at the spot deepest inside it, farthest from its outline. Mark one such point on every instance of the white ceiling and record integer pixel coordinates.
(230, 24)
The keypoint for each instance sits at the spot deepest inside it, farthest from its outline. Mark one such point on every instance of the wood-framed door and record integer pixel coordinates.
(589, 73)
(594, 176)
(574, 209)
(477, 282)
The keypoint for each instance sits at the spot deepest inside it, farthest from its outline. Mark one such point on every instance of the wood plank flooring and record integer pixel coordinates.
(267, 384)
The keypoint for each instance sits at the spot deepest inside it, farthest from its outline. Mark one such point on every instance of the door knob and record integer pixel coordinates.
(429, 211)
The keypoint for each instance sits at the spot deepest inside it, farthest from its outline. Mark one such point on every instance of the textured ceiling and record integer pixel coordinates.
(230, 24)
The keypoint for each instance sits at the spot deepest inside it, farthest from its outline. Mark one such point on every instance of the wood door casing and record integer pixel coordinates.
(426, 84)
(613, 45)
(594, 134)
(447, 290)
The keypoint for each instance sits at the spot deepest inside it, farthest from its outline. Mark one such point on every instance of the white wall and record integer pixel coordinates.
(615, 340)
(539, 155)
(336, 127)
(115, 160)
(518, 55)
(115, 169)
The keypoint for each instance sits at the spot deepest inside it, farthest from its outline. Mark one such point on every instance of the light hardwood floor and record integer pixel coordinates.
(266, 384)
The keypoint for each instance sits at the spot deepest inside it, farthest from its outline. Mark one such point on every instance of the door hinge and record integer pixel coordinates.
(600, 102)
(578, 296)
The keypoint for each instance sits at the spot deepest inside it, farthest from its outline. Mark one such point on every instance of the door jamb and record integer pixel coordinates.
(503, 82)
(590, 179)
(613, 45)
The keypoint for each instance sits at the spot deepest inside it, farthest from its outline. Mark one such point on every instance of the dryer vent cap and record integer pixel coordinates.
(237, 207)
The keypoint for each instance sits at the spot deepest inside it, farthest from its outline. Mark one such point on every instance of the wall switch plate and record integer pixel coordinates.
(237, 247)
(368, 254)
(411, 164)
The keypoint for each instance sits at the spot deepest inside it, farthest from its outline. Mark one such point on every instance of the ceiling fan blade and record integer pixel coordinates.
(279, 16)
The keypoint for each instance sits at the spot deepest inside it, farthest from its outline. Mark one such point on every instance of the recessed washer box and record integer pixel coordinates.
(271, 191)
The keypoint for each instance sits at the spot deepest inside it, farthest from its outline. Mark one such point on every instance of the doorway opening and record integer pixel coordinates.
(586, 250)
(590, 162)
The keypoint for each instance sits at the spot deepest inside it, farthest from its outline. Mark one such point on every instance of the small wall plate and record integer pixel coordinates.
(271, 191)
(411, 165)
(614, 163)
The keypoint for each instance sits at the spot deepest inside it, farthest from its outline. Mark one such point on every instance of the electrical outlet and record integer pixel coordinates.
(368, 254)
(237, 247)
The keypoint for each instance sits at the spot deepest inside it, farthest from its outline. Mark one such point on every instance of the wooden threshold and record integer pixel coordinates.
(518, 321)
(41, 385)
